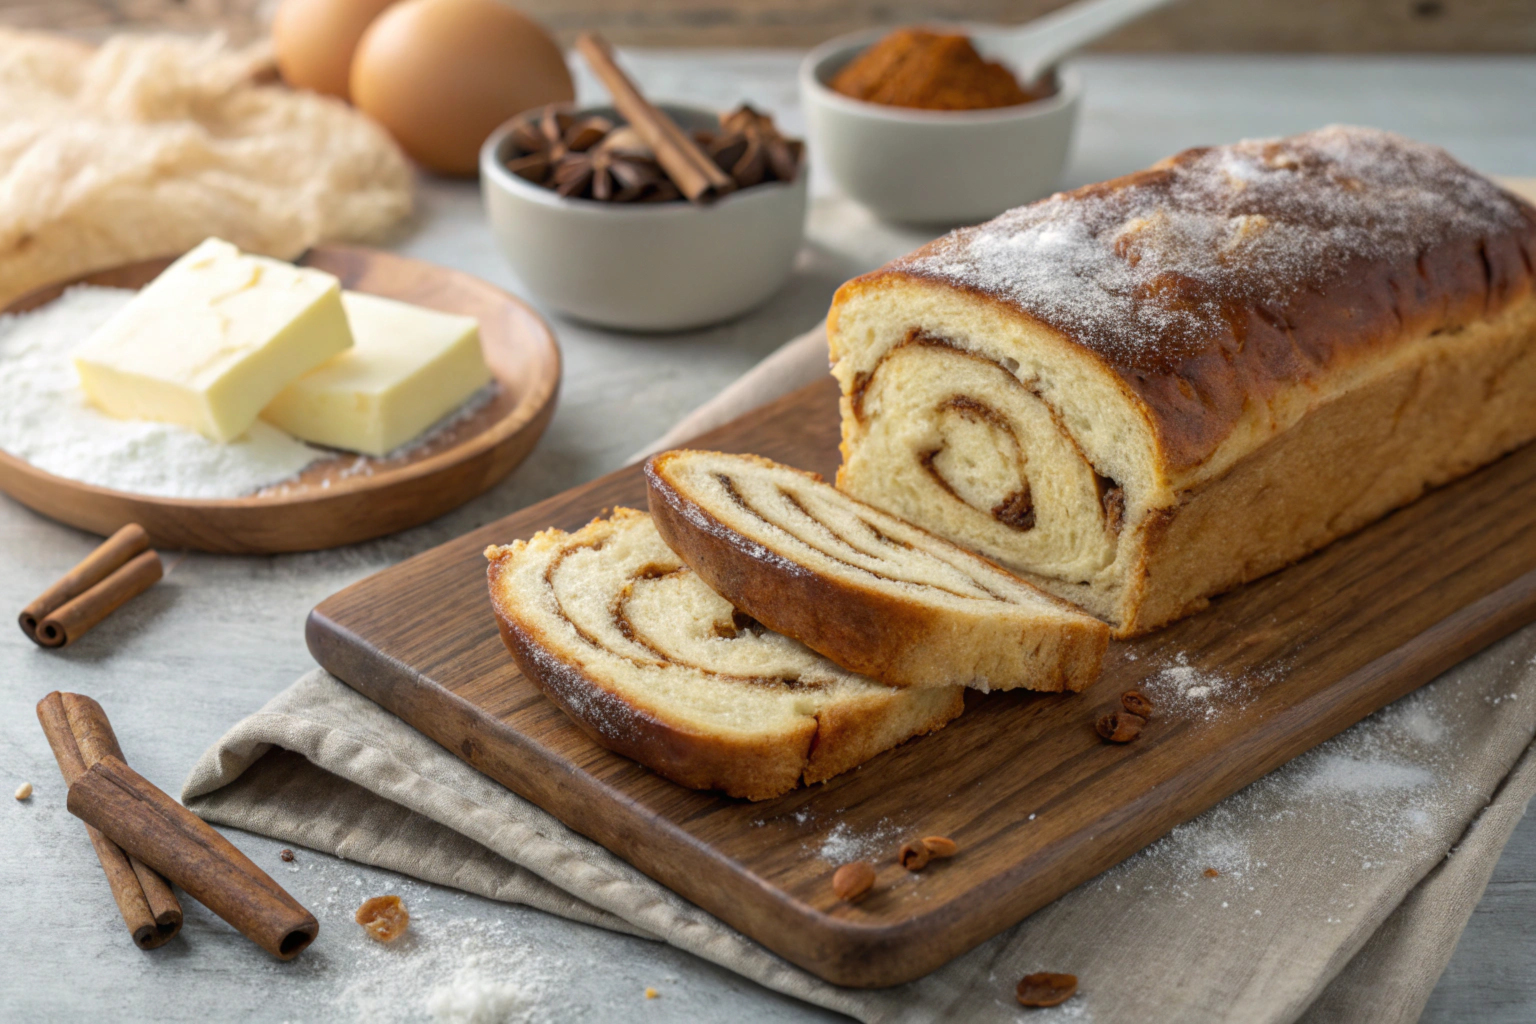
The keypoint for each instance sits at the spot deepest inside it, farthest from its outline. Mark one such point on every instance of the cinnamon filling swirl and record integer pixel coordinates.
(650, 610)
(958, 441)
(791, 508)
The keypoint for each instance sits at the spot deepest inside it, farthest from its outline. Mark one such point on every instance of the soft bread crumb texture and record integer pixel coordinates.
(655, 665)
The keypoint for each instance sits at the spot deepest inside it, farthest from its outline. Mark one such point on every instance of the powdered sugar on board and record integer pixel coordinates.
(1181, 690)
(843, 844)
(1143, 272)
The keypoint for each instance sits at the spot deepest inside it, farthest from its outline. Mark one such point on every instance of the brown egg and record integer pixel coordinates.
(313, 40)
(442, 74)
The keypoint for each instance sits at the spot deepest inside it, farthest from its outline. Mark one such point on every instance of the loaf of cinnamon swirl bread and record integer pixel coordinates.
(651, 663)
(1145, 392)
(873, 593)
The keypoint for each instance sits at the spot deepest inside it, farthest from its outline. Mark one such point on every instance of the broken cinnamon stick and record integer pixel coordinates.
(80, 735)
(695, 174)
(151, 826)
(119, 570)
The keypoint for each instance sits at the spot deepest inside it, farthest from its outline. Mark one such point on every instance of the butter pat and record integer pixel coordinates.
(408, 368)
(212, 340)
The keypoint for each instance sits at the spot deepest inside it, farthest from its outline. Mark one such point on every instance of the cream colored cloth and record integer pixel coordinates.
(1344, 878)
(146, 145)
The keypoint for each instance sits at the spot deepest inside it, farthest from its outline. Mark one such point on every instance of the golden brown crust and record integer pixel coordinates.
(1342, 467)
(1234, 336)
(863, 629)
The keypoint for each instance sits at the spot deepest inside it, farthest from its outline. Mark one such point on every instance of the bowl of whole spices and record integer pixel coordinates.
(599, 227)
(921, 128)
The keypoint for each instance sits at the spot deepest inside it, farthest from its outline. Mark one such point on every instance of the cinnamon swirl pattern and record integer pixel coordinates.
(872, 592)
(1147, 391)
(960, 440)
(654, 665)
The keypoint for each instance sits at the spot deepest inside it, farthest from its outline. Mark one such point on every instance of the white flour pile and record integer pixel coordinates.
(465, 960)
(46, 420)
(445, 969)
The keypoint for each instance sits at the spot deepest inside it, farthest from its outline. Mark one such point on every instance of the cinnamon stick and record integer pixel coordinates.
(151, 826)
(120, 569)
(80, 735)
(694, 173)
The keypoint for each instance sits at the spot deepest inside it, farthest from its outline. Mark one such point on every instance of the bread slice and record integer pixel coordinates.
(872, 592)
(654, 665)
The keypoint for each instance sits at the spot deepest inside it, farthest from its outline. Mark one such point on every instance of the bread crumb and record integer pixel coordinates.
(651, 993)
(384, 918)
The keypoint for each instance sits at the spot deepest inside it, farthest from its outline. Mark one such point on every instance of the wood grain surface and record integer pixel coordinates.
(1297, 26)
(348, 497)
(1035, 800)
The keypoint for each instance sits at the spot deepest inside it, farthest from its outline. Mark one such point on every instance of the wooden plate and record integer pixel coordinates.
(348, 498)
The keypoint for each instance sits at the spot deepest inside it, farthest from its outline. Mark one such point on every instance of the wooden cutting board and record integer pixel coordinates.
(1037, 802)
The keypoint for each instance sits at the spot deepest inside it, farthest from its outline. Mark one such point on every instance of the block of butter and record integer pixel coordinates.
(408, 368)
(213, 339)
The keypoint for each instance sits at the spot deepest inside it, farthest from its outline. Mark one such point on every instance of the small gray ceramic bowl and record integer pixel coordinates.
(644, 266)
(935, 166)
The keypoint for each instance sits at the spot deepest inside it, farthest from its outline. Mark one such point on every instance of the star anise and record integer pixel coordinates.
(611, 175)
(544, 141)
(589, 158)
(750, 149)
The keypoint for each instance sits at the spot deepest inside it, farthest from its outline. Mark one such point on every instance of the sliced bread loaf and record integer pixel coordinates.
(654, 665)
(872, 592)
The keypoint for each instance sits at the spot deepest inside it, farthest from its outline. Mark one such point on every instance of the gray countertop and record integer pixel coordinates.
(178, 666)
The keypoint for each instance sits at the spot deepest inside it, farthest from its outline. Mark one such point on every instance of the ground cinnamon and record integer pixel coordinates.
(927, 70)
(80, 735)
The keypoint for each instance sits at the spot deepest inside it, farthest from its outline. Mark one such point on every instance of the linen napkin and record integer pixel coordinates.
(1333, 889)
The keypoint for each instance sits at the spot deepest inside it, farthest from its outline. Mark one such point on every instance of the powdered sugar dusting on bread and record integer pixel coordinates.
(1143, 269)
